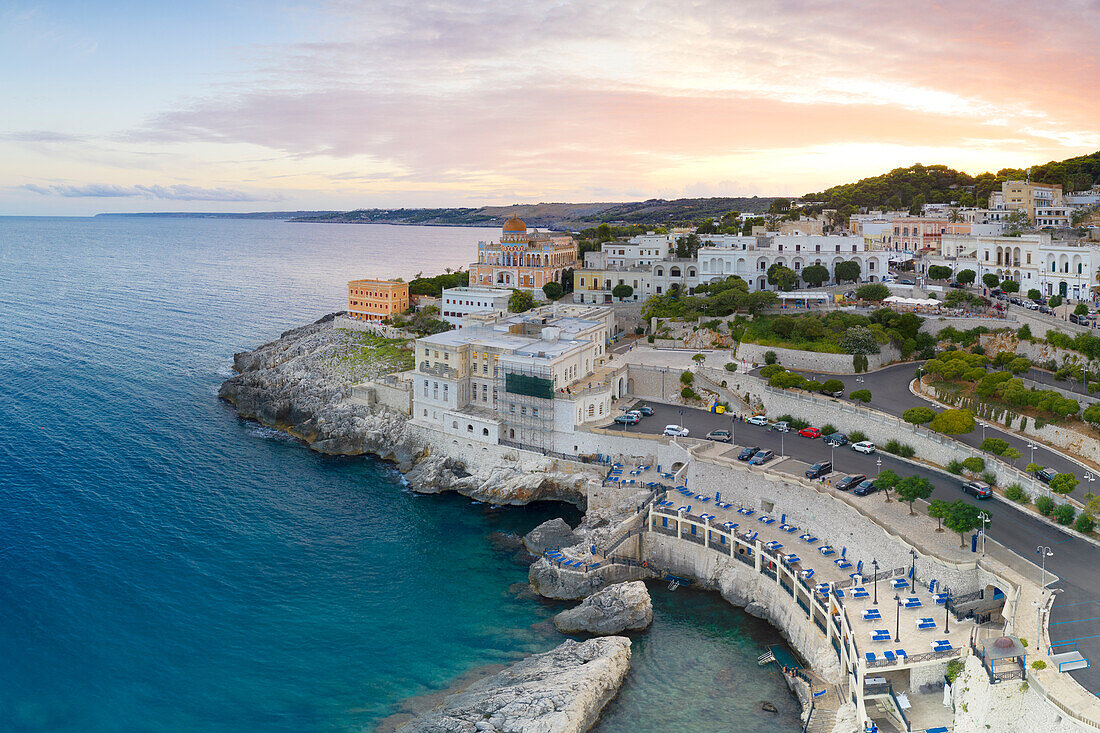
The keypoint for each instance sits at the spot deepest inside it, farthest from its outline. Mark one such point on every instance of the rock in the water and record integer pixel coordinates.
(613, 610)
(550, 535)
(559, 691)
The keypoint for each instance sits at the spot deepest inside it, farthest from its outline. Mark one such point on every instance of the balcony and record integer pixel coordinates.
(439, 370)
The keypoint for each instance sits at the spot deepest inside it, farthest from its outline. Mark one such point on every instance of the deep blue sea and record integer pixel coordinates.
(166, 566)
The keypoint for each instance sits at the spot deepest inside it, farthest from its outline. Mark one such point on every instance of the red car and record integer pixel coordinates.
(810, 433)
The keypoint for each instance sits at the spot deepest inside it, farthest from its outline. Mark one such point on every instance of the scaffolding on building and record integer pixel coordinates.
(525, 404)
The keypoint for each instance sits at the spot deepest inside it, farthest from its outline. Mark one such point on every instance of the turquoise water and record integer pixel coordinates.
(165, 566)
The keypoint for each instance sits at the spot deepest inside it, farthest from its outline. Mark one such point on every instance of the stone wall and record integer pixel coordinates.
(831, 363)
(397, 396)
(1040, 324)
(935, 324)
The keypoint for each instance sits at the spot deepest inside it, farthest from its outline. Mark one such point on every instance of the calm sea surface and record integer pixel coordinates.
(165, 566)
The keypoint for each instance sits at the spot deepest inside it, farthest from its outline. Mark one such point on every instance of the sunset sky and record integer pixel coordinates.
(246, 106)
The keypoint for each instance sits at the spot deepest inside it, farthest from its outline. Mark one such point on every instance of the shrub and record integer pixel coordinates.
(1063, 514)
(639, 330)
(771, 370)
(687, 378)
(688, 394)
(770, 357)
(899, 449)
(553, 290)
(1016, 493)
(974, 464)
(649, 338)
(954, 669)
(918, 415)
(828, 429)
(798, 423)
(990, 477)
(1084, 524)
(857, 436)
(1045, 505)
(1038, 664)
(730, 366)
(996, 446)
(955, 467)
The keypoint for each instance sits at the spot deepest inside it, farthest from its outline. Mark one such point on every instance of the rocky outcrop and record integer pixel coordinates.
(301, 383)
(613, 610)
(559, 691)
(550, 535)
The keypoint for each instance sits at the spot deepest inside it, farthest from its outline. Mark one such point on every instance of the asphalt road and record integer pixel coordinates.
(1076, 614)
(890, 393)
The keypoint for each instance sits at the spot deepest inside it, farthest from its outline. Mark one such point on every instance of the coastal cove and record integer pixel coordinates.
(167, 565)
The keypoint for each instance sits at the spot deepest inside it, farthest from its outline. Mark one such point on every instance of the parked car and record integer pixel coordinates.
(635, 413)
(645, 410)
(849, 481)
(836, 439)
(906, 281)
(676, 431)
(757, 420)
(782, 426)
(747, 453)
(865, 446)
(719, 435)
(1046, 309)
(957, 285)
(1046, 475)
(819, 469)
(810, 432)
(839, 394)
(978, 489)
(627, 419)
(865, 487)
(762, 457)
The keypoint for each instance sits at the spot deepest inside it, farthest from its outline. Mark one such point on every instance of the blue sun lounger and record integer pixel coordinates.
(792, 559)
(881, 635)
(871, 614)
(826, 550)
(808, 573)
(899, 583)
(860, 592)
(773, 545)
(871, 656)
(913, 602)
(890, 656)
(926, 624)
(842, 564)
(942, 646)
(901, 654)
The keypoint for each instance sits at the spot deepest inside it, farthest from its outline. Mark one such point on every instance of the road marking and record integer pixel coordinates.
(1078, 603)
(1074, 621)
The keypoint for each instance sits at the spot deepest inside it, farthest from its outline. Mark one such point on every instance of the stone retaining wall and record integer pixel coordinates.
(832, 363)
(392, 396)
(935, 324)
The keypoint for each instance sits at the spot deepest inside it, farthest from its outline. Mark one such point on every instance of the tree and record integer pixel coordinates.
(873, 291)
(770, 358)
(847, 271)
(1055, 301)
(835, 385)
(1032, 468)
(918, 415)
(938, 509)
(1063, 483)
(553, 290)
(953, 422)
(567, 280)
(885, 481)
(966, 277)
(1017, 221)
(622, 292)
(1011, 454)
(520, 301)
(687, 378)
(1034, 294)
(911, 488)
(1010, 286)
(815, 275)
(782, 277)
(939, 272)
(859, 340)
(1081, 310)
(962, 518)
(991, 280)
(1091, 415)
(700, 358)
(996, 446)
(603, 233)
(860, 395)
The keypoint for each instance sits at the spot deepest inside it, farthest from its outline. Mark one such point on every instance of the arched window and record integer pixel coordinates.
(485, 431)
(674, 272)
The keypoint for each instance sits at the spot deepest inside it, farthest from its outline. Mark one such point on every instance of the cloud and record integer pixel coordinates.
(177, 192)
(40, 136)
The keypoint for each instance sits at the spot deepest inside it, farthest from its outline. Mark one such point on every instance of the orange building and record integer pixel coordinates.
(522, 259)
(375, 300)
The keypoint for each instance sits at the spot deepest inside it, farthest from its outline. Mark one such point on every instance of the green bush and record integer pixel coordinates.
(974, 464)
(771, 370)
(954, 669)
(798, 423)
(770, 357)
(688, 394)
(649, 338)
(1063, 514)
(990, 477)
(1085, 523)
(828, 429)
(955, 467)
(857, 436)
(730, 366)
(687, 378)
(899, 449)
(1016, 493)
(1045, 505)
(996, 446)
(1038, 664)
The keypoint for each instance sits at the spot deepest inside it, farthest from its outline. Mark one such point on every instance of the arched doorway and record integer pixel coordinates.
(1063, 288)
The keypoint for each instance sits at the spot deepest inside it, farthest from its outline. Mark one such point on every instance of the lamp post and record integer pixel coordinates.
(985, 524)
(681, 420)
(1044, 553)
(983, 432)
(878, 464)
(874, 564)
(1032, 447)
(733, 422)
(782, 445)
(897, 619)
(913, 565)
(1090, 478)
(947, 613)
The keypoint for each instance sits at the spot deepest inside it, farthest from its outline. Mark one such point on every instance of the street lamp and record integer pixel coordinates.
(874, 564)
(1032, 446)
(947, 613)
(983, 432)
(985, 524)
(733, 422)
(782, 443)
(681, 420)
(913, 565)
(1044, 553)
(1090, 478)
(878, 464)
(897, 619)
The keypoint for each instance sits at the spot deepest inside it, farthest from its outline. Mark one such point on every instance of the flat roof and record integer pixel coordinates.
(520, 345)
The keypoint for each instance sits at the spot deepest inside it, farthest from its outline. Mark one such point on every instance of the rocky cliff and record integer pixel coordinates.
(559, 691)
(301, 383)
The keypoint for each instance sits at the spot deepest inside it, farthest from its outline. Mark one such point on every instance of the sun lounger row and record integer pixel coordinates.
(773, 545)
(871, 614)
(765, 519)
(890, 656)
(807, 538)
(881, 635)
(788, 528)
(746, 511)
(912, 602)
(925, 624)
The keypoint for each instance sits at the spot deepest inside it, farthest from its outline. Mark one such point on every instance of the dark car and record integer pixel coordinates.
(867, 486)
(978, 489)
(748, 453)
(1046, 475)
(762, 457)
(849, 481)
(906, 281)
(1046, 309)
(627, 419)
(819, 469)
(835, 439)
(645, 410)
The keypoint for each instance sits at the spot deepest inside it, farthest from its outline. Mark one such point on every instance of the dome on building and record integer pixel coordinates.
(515, 224)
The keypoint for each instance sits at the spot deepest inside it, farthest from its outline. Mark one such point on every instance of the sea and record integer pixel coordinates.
(168, 566)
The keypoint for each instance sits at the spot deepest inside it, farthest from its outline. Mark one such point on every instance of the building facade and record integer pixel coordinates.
(1025, 196)
(376, 300)
(457, 303)
(750, 257)
(523, 259)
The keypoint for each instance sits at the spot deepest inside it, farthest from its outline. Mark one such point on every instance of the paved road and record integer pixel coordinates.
(1076, 614)
(890, 393)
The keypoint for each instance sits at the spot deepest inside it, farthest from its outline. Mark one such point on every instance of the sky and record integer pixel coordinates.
(261, 106)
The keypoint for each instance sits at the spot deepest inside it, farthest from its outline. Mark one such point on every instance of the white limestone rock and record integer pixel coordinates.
(613, 610)
(550, 535)
(559, 691)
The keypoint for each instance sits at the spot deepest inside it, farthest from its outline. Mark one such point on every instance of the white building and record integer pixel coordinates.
(750, 257)
(458, 303)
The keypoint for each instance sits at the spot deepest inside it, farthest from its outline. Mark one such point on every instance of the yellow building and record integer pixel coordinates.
(522, 259)
(1025, 196)
(376, 300)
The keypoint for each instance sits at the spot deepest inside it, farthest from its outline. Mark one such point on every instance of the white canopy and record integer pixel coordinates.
(899, 300)
(806, 295)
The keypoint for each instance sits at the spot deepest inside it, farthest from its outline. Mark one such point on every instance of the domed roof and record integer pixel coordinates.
(515, 224)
